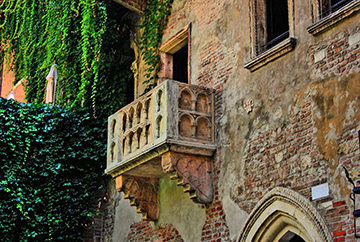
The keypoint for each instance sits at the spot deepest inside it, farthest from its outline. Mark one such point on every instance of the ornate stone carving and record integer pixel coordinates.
(248, 105)
(173, 113)
(142, 192)
(171, 129)
(192, 172)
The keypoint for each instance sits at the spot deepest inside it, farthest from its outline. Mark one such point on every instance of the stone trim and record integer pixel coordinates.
(329, 21)
(295, 206)
(176, 42)
(271, 54)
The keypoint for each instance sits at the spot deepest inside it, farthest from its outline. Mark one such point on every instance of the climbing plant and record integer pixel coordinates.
(51, 158)
(83, 37)
(153, 26)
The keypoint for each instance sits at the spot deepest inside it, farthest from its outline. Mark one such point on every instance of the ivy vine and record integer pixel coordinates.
(51, 159)
(52, 156)
(82, 37)
(153, 26)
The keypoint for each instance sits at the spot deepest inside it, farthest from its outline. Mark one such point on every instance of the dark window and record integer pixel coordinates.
(180, 65)
(272, 23)
(277, 22)
(129, 91)
(330, 6)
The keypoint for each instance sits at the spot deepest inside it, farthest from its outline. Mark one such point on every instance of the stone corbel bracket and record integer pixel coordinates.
(143, 193)
(193, 172)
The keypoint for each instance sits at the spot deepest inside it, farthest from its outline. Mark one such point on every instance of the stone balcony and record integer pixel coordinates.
(168, 130)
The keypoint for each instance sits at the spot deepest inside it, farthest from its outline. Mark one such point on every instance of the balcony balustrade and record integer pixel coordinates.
(168, 130)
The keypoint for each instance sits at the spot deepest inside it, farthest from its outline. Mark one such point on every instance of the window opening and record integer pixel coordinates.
(277, 22)
(330, 6)
(175, 57)
(180, 65)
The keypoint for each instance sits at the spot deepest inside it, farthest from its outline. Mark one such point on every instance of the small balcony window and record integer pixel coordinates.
(180, 65)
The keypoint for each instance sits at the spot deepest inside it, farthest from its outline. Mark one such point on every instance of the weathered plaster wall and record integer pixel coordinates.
(119, 215)
(177, 209)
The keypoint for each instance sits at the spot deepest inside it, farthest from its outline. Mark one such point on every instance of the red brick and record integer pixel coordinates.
(339, 233)
(340, 203)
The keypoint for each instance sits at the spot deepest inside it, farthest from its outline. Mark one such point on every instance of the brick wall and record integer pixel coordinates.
(216, 64)
(207, 11)
(215, 228)
(285, 157)
(338, 56)
(340, 215)
(143, 231)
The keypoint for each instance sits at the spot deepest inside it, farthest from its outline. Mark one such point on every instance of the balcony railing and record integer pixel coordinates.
(174, 116)
(168, 130)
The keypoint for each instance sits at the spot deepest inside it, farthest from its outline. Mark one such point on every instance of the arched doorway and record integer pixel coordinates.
(284, 215)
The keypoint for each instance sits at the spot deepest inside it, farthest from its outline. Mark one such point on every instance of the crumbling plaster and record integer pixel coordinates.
(177, 209)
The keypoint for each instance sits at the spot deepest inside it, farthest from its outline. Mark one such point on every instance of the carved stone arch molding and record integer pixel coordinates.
(280, 211)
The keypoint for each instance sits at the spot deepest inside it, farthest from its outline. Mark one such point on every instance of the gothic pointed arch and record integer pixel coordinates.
(281, 215)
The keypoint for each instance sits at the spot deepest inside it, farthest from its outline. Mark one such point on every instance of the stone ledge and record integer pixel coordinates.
(329, 21)
(156, 151)
(271, 54)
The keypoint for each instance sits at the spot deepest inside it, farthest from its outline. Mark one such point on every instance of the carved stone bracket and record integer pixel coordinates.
(143, 193)
(193, 172)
